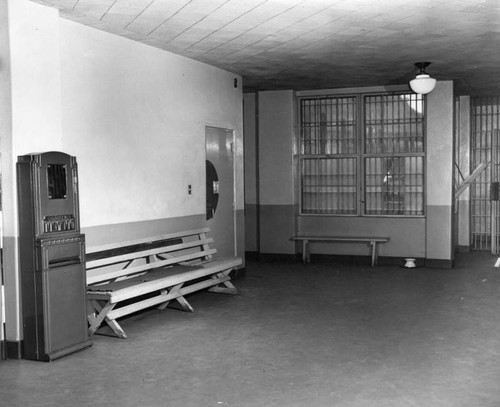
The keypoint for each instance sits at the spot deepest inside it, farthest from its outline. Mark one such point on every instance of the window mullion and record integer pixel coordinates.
(361, 150)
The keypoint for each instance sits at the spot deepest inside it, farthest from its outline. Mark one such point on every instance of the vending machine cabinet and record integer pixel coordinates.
(51, 257)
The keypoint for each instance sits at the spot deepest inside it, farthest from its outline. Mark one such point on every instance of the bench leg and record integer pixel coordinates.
(306, 256)
(224, 285)
(228, 289)
(374, 253)
(186, 306)
(98, 314)
(117, 329)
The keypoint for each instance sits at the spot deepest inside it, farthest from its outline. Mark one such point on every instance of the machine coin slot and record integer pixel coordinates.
(57, 253)
(64, 262)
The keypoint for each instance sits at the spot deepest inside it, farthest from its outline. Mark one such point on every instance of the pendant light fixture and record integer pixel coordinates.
(423, 83)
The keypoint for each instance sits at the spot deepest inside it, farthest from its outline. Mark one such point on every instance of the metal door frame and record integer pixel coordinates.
(233, 157)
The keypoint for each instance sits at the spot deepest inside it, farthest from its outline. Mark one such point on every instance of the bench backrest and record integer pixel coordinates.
(128, 258)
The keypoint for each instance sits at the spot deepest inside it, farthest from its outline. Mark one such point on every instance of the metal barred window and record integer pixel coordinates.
(329, 155)
(394, 154)
(386, 148)
(329, 185)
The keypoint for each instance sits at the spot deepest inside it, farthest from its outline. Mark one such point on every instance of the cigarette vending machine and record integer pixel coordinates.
(51, 256)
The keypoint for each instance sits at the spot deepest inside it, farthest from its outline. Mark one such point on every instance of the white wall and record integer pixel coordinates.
(276, 171)
(135, 118)
(463, 161)
(250, 123)
(251, 144)
(276, 140)
(36, 78)
(439, 173)
(5, 120)
(35, 122)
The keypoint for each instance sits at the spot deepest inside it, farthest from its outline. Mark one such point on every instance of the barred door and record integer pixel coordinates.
(485, 146)
(494, 192)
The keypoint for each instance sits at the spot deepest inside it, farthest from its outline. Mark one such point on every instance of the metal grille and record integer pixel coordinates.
(328, 125)
(329, 186)
(394, 124)
(484, 147)
(394, 186)
(329, 163)
(394, 154)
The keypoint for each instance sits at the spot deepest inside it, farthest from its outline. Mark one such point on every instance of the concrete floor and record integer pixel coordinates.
(317, 335)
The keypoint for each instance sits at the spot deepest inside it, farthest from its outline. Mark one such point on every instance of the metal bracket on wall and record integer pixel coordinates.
(470, 179)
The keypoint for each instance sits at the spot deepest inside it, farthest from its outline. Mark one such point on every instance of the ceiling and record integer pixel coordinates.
(314, 44)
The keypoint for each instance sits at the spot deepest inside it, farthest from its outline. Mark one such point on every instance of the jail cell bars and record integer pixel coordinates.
(484, 147)
(495, 177)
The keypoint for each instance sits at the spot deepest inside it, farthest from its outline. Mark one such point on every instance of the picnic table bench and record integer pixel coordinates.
(373, 240)
(129, 276)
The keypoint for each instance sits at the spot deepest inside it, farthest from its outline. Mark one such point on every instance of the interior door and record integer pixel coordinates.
(494, 192)
(220, 189)
(485, 147)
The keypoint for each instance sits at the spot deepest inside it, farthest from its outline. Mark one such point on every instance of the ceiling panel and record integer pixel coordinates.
(155, 14)
(123, 12)
(314, 44)
(95, 9)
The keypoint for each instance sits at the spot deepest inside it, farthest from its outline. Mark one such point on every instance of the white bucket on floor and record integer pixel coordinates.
(410, 263)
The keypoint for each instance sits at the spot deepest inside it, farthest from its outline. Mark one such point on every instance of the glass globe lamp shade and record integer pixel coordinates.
(422, 84)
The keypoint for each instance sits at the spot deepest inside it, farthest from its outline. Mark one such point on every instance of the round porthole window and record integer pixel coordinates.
(212, 189)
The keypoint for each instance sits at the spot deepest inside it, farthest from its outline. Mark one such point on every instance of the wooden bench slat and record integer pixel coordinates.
(152, 286)
(120, 258)
(159, 299)
(146, 240)
(149, 277)
(106, 276)
(222, 263)
(171, 277)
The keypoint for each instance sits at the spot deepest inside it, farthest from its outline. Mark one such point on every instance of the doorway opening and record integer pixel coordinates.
(220, 192)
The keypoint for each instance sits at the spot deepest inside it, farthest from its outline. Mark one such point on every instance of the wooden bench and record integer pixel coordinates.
(306, 240)
(125, 277)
